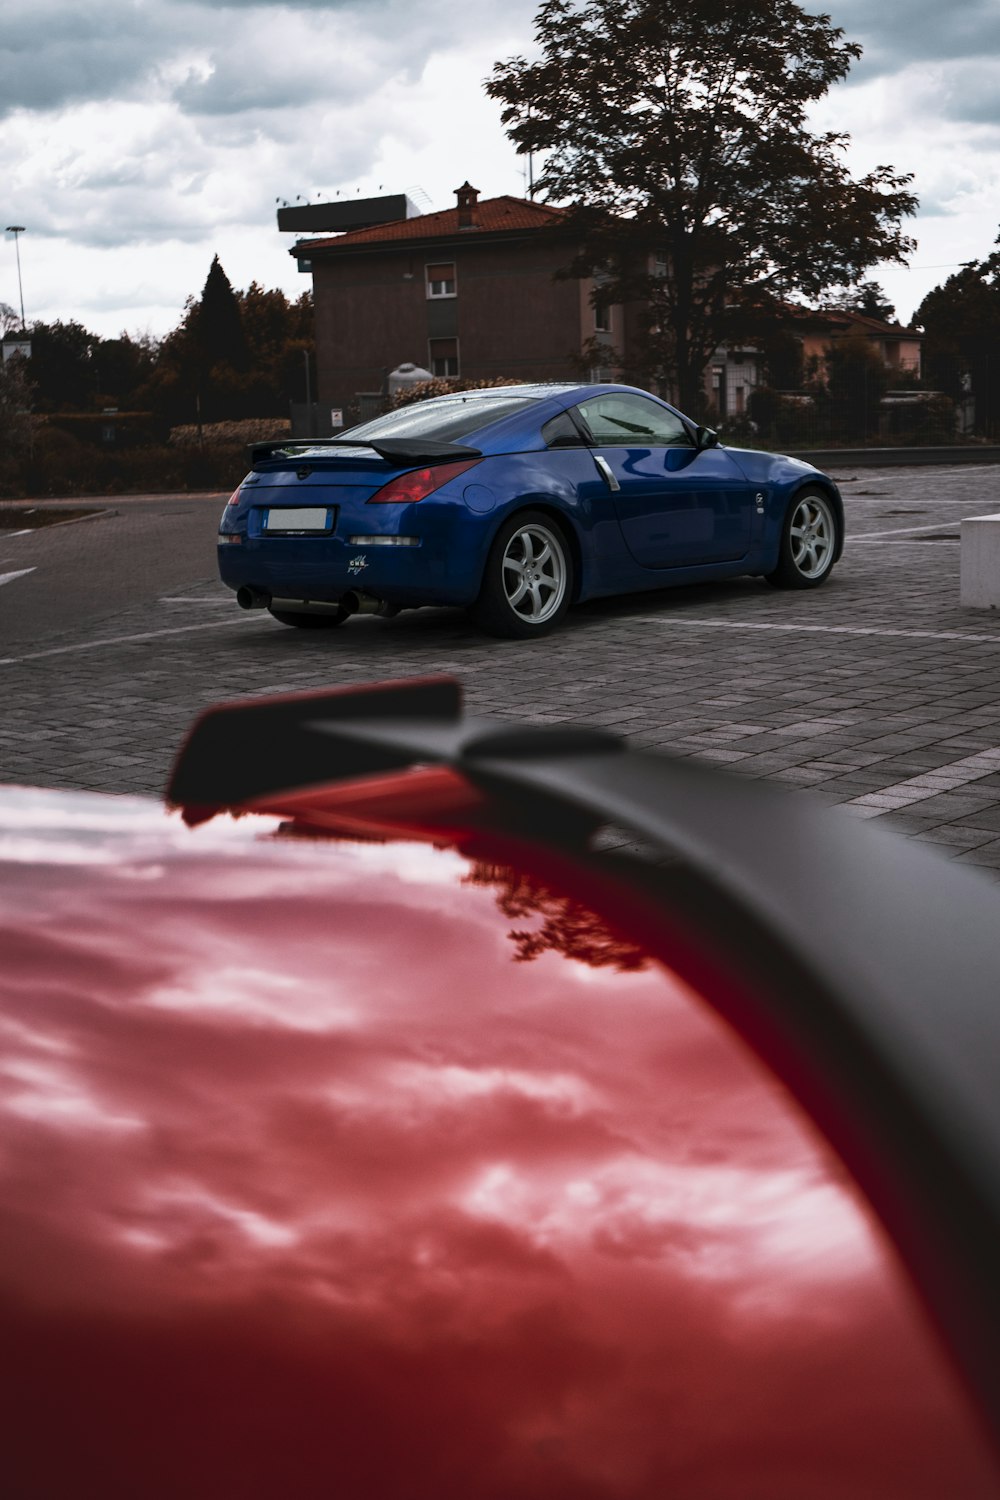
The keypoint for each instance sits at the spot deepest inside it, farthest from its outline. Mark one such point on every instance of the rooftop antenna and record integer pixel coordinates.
(420, 197)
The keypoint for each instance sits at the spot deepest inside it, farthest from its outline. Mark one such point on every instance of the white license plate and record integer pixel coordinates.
(304, 518)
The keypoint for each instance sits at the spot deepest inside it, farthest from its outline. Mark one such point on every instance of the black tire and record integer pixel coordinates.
(528, 579)
(810, 541)
(325, 621)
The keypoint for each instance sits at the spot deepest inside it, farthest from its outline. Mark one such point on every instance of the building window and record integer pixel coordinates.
(441, 279)
(444, 357)
(602, 317)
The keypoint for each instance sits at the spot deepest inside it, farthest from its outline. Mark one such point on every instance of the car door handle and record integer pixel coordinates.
(607, 472)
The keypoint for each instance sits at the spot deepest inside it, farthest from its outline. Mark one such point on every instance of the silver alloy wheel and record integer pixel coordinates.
(812, 536)
(533, 569)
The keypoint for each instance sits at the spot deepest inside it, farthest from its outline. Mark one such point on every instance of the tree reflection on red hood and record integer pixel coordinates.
(310, 1187)
(560, 924)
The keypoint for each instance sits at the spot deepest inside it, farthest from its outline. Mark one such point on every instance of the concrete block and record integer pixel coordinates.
(980, 564)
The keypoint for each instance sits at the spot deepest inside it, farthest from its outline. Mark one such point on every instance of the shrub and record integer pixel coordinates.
(442, 387)
(62, 465)
(931, 422)
(247, 430)
(784, 418)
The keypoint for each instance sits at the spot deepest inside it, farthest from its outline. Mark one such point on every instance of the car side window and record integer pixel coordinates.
(562, 432)
(619, 419)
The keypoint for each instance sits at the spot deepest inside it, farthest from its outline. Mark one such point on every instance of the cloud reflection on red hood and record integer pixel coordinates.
(309, 1187)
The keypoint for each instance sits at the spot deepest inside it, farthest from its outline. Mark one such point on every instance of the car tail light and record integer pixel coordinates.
(419, 483)
(234, 498)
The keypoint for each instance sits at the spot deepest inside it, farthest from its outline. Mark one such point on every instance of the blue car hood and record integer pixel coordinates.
(773, 467)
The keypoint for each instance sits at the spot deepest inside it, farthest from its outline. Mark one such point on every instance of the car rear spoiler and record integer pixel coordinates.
(862, 966)
(396, 450)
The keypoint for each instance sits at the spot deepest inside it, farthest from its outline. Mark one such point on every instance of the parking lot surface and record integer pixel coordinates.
(877, 692)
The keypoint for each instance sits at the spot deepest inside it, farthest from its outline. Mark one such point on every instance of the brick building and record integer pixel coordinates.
(469, 292)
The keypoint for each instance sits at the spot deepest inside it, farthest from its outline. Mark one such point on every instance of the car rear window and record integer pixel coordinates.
(446, 418)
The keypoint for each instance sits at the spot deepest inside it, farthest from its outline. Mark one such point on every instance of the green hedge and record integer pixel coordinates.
(62, 465)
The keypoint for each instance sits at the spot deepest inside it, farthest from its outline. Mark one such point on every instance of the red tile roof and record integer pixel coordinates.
(875, 325)
(837, 317)
(492, 214)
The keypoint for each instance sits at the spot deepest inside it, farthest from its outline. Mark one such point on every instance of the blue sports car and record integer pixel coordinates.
(515, 502)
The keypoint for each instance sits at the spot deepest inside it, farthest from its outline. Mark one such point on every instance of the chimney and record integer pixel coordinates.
(468, 212)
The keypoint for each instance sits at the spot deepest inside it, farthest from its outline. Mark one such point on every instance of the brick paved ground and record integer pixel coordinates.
(877, 692)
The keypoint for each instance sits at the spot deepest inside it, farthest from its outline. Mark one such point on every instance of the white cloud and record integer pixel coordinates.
(896, 33)
(906, 118)
(141, 137)
(55, 52)
(287, 60)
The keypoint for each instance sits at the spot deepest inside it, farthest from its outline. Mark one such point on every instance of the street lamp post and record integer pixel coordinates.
(15, 230)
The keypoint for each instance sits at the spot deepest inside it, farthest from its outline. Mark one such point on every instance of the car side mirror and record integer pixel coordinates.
(706, 437)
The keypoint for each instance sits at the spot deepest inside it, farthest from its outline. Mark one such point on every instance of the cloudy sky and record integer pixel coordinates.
(138, 138)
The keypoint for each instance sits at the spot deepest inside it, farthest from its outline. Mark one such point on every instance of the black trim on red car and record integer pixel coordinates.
(862, 966)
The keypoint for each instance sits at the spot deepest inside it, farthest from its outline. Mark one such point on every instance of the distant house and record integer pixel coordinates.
(734, 372)
(899, 348)
(468, 292)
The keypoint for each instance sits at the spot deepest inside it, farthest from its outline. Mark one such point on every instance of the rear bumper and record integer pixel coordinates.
(326, 568)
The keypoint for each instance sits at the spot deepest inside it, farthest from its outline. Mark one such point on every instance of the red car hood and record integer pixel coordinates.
(365, 1169)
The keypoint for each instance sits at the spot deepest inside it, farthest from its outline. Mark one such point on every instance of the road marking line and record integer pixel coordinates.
(906, 530)
(180, 599)
(921, 635)
(122, 640)
(247, 615)
(9, 577)
(916, 509)
(877, 541)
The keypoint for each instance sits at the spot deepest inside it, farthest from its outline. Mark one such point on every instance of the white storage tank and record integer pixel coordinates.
(406, 375)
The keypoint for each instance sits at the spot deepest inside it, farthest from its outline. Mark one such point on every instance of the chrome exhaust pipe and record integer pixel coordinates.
(367, 604)
(248, 598)
(307, 606)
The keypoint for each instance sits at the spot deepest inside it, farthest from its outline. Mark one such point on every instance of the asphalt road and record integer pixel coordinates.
(76, 575)
(878, 692)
